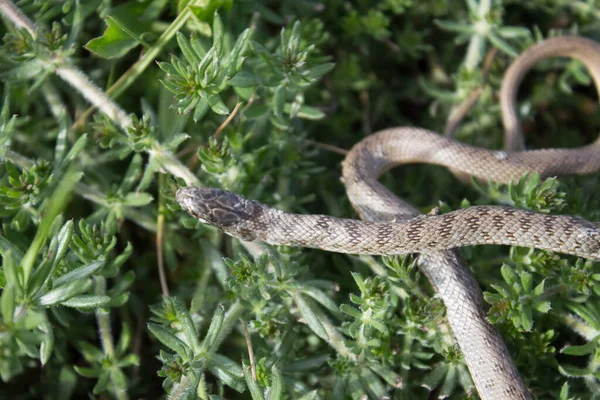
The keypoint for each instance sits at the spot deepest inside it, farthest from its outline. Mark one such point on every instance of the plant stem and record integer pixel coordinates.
(105, 332)
(57, 107)
(160, 224)
(250, 350)
(173, 165)
(20, 20)
(79, 81)
(103, 320)
(577, 325)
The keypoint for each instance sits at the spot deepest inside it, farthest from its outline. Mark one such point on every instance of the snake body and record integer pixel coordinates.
(392, 226)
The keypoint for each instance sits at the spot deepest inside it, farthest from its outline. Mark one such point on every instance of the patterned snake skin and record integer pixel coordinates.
(392, 226)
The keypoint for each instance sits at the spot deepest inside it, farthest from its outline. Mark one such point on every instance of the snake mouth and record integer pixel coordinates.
(188, 199)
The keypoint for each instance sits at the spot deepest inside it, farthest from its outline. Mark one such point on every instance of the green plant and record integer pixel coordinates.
(106, 284)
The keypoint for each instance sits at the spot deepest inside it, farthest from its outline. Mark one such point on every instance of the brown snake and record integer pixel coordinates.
(392, 226)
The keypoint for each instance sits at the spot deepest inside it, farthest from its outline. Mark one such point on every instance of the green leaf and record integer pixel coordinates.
(353, 312)
(276, 390)
(87, 301)
(47, 344)
(526, 320)
(512, 32)
(245, 79)
(79, 273)
(539, 289)
(63, 238)
(452, 26)
(201, 109)
(170, 340)
(121, 258)
(6, 246)
(526, 281)
(25, 71)
(121, 21)
(11, 270)
(501, 44)
(255, 390)
(321, 297)
(256, 110)
(7, 303)
(152, 166)
(186, 48)
(310, 396)
(435, 377)
(214, 258)
(583, 350)
(307, 364)
(385, 372)
(564, 391)
(574, 372)
(6, 125)
(76, 148)
(226, 371)
(318, 71)
(279, 101)
(186, 388)
(217, 105)
(39, 278)
(64, 292)
(137, 199)
(305, 112)
(131, 175)
(88, 372)
(76, 25)
(311, 318)
(124, 28)
(508, 274)
(187, 325)
(118, 301)
(61, 141)
(102, 383)
(206, 12)
(217, 33)
(214, 329)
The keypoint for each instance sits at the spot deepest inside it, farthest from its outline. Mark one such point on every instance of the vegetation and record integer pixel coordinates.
(110, 290)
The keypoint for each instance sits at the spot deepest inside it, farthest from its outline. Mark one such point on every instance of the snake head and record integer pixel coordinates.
(227, 211)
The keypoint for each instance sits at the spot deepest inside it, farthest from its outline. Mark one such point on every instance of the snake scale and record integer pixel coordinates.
(391, 226)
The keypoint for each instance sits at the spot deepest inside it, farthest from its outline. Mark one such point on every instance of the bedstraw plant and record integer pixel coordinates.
(109, 290)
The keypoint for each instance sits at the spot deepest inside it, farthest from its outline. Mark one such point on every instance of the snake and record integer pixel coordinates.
(389, 225)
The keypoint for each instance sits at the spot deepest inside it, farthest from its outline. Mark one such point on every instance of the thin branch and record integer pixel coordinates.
(458, 113)
(327, 147)
(194, 160)
(227, 121)
(250, 351)
(160, 225)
